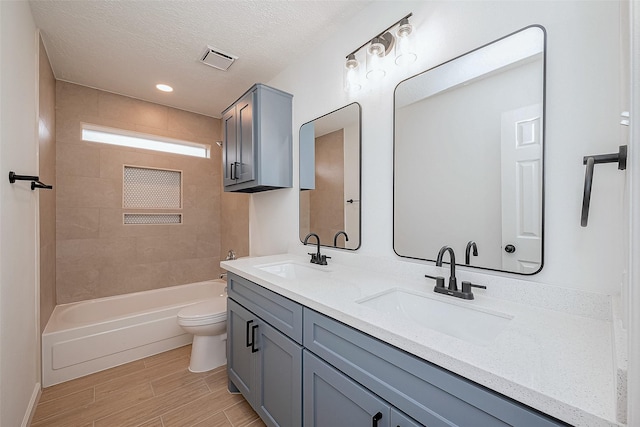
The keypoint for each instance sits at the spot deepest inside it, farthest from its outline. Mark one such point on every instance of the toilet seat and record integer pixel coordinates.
(213, 310)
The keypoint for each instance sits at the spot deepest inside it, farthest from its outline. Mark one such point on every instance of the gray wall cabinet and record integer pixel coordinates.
(263, 363)
(257, 141)
(297, 367)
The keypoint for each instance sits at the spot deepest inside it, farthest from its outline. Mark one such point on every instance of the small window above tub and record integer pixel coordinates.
(121, 137)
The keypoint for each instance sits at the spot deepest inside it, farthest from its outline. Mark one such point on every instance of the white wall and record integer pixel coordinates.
(351, 187)
(19, 328)
(582, 116)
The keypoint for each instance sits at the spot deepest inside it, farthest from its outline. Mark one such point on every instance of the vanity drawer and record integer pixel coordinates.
(280, 312)
(426, 392)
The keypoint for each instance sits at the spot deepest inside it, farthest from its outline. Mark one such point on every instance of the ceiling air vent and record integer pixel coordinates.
(217, 59)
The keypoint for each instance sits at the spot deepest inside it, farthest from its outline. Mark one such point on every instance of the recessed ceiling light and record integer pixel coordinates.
(164, 88)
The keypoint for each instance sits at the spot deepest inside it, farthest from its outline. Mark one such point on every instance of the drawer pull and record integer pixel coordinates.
(254, 328)
(248, 343)
(377, 417)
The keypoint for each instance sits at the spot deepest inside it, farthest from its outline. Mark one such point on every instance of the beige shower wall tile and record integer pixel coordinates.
(118, 280)
(193, 270)
(78, 159)
(77, 223)
(234, 229)
(72, 286)
(86, 192)
(208, 245)
(47, 208)
(208, 197)
(47, 282)
(83, 254)
(205, 220)
(75, 99)
(131, 110)
(112, 161)
(190, 196)
(68, 127)
(165, 248)
(192, 124)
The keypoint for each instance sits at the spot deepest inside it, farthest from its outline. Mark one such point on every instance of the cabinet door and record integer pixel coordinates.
(279, 378)
(229, 156)
(241, 325)
(334, 400)
(245, 139)
(398, 419)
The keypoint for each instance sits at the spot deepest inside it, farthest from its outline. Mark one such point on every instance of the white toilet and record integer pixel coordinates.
(207, 321)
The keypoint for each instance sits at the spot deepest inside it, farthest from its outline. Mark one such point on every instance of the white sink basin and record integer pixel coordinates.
(293, 270)
(476, 325)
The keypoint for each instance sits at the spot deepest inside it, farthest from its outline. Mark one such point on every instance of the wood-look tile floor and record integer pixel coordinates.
(158, 391)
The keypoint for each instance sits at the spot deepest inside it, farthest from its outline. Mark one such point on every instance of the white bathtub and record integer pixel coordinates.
(89, 336)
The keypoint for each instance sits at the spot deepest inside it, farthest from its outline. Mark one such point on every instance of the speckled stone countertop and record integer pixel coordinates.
(558, 362)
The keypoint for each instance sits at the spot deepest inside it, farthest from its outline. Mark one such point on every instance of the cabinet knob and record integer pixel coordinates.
(509, 249)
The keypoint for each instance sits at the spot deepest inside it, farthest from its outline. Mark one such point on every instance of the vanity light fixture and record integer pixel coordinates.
(376, 53)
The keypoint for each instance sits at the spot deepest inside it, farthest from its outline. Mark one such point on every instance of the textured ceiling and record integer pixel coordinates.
(127, 47)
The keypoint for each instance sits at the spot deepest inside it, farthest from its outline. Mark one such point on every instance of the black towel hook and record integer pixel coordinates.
(35, 180)
(620, 157)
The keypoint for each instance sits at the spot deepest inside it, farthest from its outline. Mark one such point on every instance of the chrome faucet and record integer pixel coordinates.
(335, 238)
(467, 251)
(452, 290)
(316, 258)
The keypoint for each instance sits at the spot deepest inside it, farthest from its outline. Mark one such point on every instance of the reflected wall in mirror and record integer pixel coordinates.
(330, 178)
(468, 157)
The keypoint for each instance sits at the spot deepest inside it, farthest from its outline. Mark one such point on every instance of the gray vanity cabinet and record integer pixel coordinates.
(398, 419)
(297, 367)
(264, 363)
(257, 141)
(334, 400)
(423, 391)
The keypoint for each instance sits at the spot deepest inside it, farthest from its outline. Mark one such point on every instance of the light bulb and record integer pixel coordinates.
(405, 51)
(352, 74)
(376, 47)
(404, 29)
(352, 62)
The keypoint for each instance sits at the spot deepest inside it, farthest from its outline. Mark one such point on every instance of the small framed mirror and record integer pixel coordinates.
(330, 194)
(468, 157)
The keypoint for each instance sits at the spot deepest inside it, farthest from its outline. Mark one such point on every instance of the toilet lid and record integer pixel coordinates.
(214, 308)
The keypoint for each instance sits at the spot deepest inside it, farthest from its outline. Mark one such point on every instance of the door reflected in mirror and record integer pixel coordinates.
(468, 157)
(330, 178)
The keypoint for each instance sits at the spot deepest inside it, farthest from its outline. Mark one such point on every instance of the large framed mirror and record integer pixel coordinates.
(468, 157)
(330, 178)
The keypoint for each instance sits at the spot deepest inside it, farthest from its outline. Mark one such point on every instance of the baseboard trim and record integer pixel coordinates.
(33, 403)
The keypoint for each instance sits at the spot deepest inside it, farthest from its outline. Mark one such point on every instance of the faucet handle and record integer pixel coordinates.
(466, 286)
(314, 257)
(323, 259)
